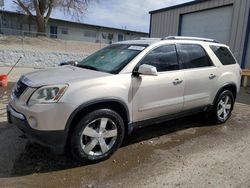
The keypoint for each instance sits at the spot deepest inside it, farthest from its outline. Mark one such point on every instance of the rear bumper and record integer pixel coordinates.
(55, 140)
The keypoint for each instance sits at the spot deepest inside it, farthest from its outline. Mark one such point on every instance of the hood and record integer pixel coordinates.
(60, 75)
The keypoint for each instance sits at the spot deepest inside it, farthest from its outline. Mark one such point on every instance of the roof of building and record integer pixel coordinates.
(78, 23)
(177, 6)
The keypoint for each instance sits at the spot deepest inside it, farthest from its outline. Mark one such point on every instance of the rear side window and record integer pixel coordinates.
(193, 56)
(164, 58)
(224, 55)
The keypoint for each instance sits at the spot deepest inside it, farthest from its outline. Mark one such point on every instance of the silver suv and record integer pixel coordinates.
(89, 108)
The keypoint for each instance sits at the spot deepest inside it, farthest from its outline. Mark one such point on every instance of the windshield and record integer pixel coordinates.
(112, 59)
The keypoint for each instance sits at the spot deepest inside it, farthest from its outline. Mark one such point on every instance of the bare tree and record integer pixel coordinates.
(40, 10)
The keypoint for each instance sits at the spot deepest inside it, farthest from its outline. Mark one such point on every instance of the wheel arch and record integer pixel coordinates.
(228, 86)
(114, 104)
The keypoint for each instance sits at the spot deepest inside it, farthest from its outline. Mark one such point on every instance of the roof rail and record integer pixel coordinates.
(148, 38)
(190, 38)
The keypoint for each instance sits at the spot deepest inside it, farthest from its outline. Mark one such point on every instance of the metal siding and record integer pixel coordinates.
(159, 21)
(239, 32)
(244, 22)
(162, 21)
(166, 30)
(157, 25)
(247, 60)
(246, 48)
(234, 28)
(171, 22)
(176, 22)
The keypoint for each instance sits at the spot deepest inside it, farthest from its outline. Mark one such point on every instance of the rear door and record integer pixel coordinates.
(200, 75)
(155, 96)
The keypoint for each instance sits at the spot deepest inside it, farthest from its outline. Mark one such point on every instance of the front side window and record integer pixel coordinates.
(224, 55)
(193, 56)
(164, 58)
(113, 58)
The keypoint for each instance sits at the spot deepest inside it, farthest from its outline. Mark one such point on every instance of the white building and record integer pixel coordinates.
(13, 23)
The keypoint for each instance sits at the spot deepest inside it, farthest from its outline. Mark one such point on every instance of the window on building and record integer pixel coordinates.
(53, 31)
(120, 37)
(90, 33)
(194, 56)
(65, 31)
(224, 55)
(163, 58)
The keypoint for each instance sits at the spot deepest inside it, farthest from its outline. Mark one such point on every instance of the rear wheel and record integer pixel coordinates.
(97, 136)
(223, 107)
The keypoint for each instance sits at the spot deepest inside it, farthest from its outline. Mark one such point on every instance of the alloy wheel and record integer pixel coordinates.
(224, 108)
(98, 137)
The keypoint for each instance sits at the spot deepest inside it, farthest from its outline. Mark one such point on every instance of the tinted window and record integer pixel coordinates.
(163, 58)
(223, 54)
(194, 56)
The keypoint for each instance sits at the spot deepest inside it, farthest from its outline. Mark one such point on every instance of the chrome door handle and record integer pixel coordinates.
(177, 81)
(212, 76)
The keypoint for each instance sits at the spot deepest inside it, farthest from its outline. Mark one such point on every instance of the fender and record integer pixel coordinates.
(222, 88)
(95, 102)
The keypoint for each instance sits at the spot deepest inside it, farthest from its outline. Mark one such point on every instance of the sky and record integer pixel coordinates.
(129, 14)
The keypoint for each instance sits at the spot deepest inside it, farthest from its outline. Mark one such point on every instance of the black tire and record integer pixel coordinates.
(76, 146)
(214, 114)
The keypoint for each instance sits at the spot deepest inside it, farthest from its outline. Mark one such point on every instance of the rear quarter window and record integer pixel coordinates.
(224, 55)
(193, 56)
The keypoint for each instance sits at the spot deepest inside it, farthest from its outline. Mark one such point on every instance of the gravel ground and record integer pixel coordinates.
(181, 153)
(42, 51)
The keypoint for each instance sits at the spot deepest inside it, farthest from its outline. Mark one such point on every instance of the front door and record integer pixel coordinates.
(155, 96)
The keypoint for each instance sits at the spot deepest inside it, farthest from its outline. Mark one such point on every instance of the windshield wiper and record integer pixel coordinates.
(87, 67)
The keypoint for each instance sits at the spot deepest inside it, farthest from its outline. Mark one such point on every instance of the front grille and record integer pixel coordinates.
(19, 88)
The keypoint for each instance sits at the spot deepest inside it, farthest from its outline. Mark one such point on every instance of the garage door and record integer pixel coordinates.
(213, 23)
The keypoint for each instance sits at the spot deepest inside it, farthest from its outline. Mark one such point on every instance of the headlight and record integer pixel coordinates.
(47, 94)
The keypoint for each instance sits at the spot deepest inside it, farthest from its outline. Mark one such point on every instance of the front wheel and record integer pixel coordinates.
(97, 136)
(223, 107)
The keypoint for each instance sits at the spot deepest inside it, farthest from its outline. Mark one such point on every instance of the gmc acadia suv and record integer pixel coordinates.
(92, 106)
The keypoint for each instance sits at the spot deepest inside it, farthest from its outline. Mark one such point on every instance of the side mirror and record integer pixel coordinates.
(147, 70)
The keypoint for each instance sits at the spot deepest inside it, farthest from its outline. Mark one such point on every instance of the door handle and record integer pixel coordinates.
(212, 76)
(177, 81)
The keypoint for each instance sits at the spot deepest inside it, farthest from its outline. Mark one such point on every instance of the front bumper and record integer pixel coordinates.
(55, 140)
